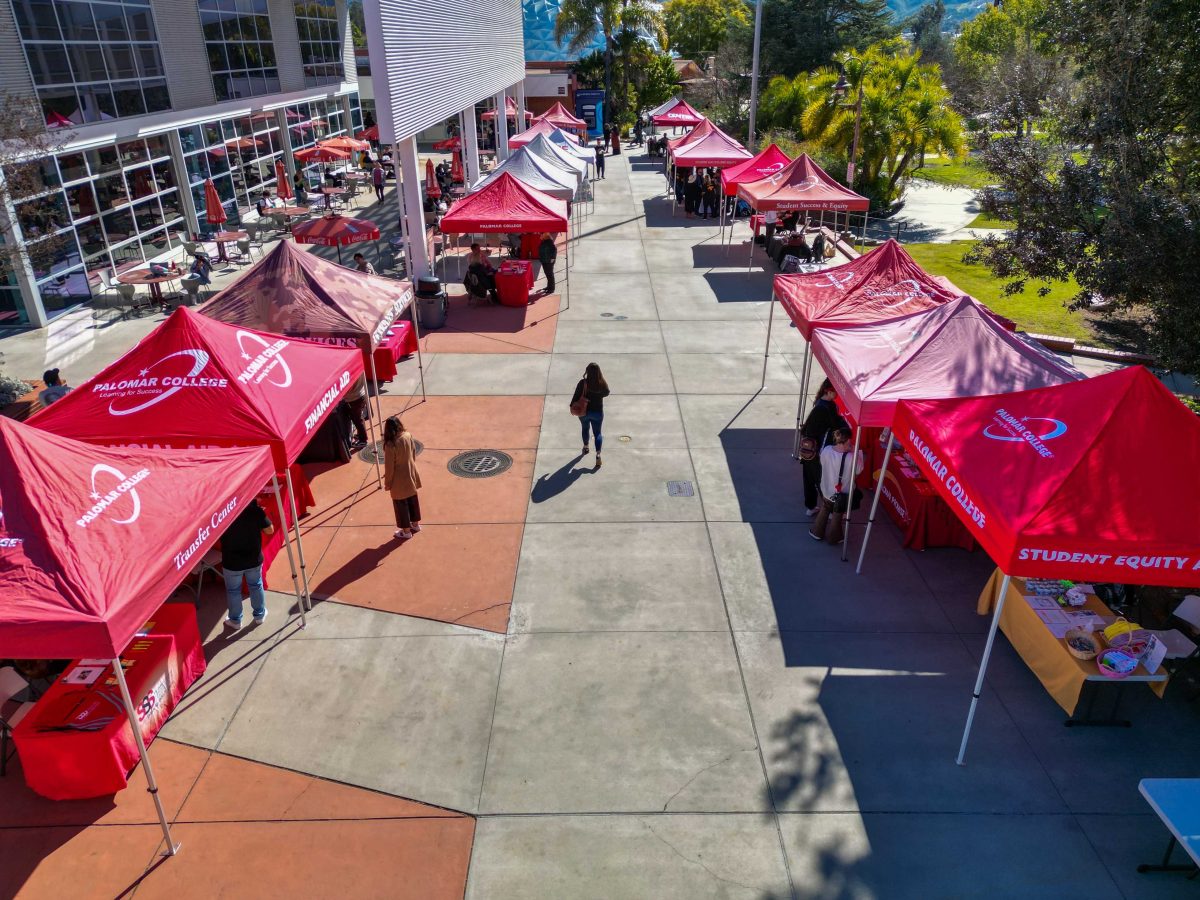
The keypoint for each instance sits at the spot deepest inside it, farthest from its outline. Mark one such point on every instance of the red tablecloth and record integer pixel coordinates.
(400, 341)
(756, 222)
(514, 279)
(77, 742)
(918, 511)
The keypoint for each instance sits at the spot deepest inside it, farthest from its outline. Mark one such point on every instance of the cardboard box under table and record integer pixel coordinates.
(76, 742)
(1064, 676)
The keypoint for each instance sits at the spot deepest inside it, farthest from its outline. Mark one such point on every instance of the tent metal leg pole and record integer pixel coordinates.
(378, 415)
(850, 493)
(800, 403)
(151, 783)
(420, 360)
(887, 455)
(287, 543)
(862, 239)
(750, 259)
(767, 348)
(287, 473)
(983, 664)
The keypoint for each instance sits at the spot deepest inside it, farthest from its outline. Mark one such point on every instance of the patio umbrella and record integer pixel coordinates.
(343, 142)
(335, 231)
(456, 168)
(58, 120)
(283, 187)
(431, 185)
(369, 134)
(243, 143)
(321, 154)
(450, 143)
(214, 212)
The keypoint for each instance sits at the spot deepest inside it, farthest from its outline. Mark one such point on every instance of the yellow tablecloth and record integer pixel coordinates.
(1059, 672)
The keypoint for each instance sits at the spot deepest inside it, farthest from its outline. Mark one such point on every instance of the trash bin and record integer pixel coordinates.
(432, 304)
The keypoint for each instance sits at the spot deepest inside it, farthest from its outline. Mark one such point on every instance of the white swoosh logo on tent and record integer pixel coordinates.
(131, 493)
(200, 358)
(278, 357)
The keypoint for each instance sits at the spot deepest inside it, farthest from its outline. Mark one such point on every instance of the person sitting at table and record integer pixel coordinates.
(360, 263)
(201, 268)
(301, 192)
(481, 273)
(262, 204)
(56, 387)
(242, 557)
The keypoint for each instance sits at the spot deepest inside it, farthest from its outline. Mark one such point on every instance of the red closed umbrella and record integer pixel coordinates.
(321, 154)
(335, 231)
(456, 168)
(214, 212)
(283, 187)
(431, 185)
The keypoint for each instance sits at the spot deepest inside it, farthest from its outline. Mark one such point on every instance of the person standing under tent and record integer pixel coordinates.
(769, 222)
(691, 194)
(548, 255)
(708, 198)
(599, 157)
(591, 389)
(681, 177)
(356, 405)
(818, 249)
(377, 178)
(815, 436)
(401, 478)
(242, 557)
(838, 475)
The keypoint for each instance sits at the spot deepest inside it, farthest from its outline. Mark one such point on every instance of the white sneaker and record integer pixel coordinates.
(258, 620)
(231, 624)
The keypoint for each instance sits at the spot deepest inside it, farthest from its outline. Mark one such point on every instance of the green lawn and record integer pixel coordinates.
(965, 172)
(987, 220)
(1045, 315)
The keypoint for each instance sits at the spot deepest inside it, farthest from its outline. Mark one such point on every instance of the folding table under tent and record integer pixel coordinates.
(510, 111)
(505, 206)
(805, 186)
(298, 294)
(538, 127)
(763, 165)
(80, 575)
(885, 283)
(196, 382)
(1062, 482)
(558, 116)
(957, 349)
(676, 112)
(713, 150)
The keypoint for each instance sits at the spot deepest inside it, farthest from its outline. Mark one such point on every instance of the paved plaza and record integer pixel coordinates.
(574, 685)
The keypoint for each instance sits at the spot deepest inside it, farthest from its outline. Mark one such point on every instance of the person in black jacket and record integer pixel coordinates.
(818, 428)
(592, 386)
(548, 255)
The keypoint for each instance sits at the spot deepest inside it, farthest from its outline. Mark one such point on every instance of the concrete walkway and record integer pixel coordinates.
(688, 699)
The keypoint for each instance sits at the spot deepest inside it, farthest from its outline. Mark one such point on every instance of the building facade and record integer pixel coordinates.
(146, 100)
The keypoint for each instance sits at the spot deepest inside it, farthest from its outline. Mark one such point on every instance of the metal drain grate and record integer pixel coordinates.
(680, 489)
(373, 453)
(480, 463)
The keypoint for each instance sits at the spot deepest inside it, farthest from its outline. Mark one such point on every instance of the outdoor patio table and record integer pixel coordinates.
(76, 742)
(1063, 676)
(1177, 803)
(221, 238)
(514, 279)
(155, 282)
(330, 193)
(399, 342)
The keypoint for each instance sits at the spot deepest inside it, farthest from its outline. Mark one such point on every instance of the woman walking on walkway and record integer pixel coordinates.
(592, 388)
(401, 478)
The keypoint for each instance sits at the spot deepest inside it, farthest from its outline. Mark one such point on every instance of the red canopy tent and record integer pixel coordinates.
(558, 116)
(294, 293)
(506, 205)
(705, 127)
(1062, 482)
(957, 349)
(802, 185)
(763, 165)
(678, 113)
(510, 111)
(538, 127)
(713, 150)
(97, 539)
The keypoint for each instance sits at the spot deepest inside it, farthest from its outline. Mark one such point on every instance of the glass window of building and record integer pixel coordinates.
(320, 41)
(239, 154)
(241, 56)
(77, 50)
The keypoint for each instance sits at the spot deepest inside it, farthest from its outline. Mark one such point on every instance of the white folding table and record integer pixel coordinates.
(1177, 802)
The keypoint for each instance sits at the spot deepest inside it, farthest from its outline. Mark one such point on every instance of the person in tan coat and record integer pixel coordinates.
(401, 478)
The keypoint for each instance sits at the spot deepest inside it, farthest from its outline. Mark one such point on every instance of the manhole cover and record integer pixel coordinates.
(606, 315)
(480, 463)
(624, 439)
(680, 489)
(373, 453)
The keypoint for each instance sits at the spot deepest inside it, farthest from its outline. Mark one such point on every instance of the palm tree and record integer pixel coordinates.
(579, 23)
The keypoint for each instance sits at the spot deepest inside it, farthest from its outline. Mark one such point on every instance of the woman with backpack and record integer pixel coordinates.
(588, 403)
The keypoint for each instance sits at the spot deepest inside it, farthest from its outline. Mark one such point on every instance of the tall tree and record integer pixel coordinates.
(802, 35)
(579, 22)
(696, 28)
(1110, 195)
(926, 27)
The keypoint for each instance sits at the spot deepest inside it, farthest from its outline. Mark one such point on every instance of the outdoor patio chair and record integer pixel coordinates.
(190, 288)
(244, 253)
(252, 229)
(11, 686)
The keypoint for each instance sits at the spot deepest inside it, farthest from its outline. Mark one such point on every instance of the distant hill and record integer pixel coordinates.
(957, 11)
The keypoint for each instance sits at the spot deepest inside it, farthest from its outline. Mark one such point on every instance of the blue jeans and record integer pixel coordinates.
(596, 420)
(233, 591)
